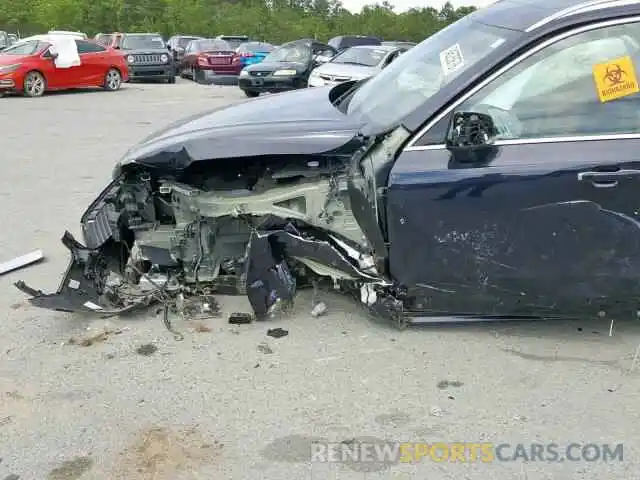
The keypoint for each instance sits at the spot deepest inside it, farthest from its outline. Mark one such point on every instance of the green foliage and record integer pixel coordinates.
(272, 20)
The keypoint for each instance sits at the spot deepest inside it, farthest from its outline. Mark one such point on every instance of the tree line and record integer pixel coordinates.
(275, 21)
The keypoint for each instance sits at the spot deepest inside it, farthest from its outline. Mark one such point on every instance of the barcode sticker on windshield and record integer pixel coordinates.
(451, 59)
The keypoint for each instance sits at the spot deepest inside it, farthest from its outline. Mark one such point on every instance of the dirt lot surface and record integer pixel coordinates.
(85, 398)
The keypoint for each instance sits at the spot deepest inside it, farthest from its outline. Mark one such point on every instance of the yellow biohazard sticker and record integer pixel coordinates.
(615, 79)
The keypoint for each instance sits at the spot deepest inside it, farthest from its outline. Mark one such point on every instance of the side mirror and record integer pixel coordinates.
(471, 136)
(169, 47)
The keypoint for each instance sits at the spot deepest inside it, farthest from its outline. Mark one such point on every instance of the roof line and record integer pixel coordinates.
(571, 10)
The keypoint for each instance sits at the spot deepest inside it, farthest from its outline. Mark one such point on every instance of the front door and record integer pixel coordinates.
(547, 222)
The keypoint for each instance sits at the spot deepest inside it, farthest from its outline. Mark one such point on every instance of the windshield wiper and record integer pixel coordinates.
(354, 63)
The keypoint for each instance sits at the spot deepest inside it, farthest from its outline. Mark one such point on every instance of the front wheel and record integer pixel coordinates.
(34, 84)
(112, 80)
(251, 94)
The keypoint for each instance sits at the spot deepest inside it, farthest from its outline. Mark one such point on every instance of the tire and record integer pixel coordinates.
(112, 80)
(251, 94)
(197, 74)
(34, 84)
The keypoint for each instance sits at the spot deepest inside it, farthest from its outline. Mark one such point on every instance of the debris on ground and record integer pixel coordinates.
(6, 420)
(22, 261)
(71, 469)
(99, 337)
(435, 412)
(444, 384)
(147, 349)
(264, 348)
(277, 332)
(13, 476)
(319, 309)
(240, 318)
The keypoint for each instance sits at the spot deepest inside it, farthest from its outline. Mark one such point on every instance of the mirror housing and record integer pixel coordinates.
(470, 136)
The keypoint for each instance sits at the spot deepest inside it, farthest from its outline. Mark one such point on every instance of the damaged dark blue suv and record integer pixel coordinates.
(490, 172)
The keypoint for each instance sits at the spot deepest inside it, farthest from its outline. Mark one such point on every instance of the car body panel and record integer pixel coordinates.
(311, 125)
(91, 73)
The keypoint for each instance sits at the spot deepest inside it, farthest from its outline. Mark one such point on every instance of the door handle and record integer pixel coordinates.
(606, 179)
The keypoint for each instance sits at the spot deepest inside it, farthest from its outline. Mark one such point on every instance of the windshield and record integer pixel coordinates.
(134, 42)
(368, 57)
(24, 48)
(212, 46)
(422, 71)
(255, 47)
(296, 53)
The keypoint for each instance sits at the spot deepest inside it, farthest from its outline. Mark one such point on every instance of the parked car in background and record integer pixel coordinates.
(147, 57)
(210, 56)
(234, 41)
(253, 52)
(4, 40)
(78, 35)
(177, 45)
(286, 68)
(355, 63)
(42, 63)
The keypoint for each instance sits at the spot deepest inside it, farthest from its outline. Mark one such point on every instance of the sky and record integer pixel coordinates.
(403, 5)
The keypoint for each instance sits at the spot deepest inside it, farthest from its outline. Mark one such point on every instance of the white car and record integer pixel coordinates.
(355, 63)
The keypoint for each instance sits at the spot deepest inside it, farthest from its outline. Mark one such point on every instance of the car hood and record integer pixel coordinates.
(355, 72)
(273, 66)
(11, 59)
(298, 122)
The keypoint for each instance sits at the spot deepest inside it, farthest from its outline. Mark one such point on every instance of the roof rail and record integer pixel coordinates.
(579, 8)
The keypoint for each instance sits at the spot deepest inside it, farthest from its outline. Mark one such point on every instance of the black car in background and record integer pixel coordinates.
(286, 68)
(177, 45)
(147, 57)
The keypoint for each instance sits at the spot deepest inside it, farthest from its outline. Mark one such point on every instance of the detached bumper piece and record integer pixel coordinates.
(80, 289)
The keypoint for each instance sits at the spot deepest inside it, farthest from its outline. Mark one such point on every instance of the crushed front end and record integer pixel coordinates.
(178, 239)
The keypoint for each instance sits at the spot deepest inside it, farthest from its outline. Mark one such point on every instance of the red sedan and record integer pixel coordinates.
(210, 55)
(32, 67)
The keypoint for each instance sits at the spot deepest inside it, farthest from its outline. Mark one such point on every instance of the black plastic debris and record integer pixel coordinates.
(240, 318)
(146, 349)
(277, 332)
(269, 281)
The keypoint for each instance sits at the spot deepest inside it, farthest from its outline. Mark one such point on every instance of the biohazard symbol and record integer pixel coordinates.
(615, 75)
(615, 79)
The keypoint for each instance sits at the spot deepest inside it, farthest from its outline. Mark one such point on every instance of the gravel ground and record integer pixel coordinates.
(234, 403)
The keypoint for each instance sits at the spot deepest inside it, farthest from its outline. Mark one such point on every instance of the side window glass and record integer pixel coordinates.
(586, 84)
(82, 47)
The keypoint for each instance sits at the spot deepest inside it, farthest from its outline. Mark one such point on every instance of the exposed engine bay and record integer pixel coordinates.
(263, 231)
